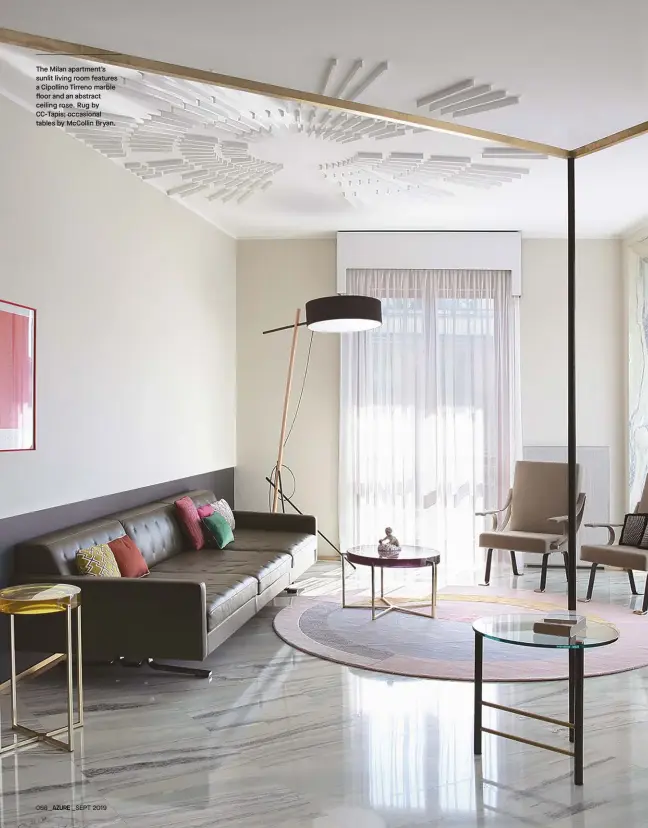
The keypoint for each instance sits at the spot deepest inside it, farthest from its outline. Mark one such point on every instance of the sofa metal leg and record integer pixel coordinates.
(198, 672)
(543, 573)
(633, 586)
(489, 560)
(590, 585)
(514, 565)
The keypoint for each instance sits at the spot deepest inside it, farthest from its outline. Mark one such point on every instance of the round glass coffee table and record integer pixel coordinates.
(517, 629)
(410, 557)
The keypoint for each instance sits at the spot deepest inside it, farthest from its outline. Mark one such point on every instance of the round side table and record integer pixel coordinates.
(409, 557)
(518, 629)
(42, 599)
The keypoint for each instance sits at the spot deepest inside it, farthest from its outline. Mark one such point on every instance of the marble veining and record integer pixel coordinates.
(279, 739)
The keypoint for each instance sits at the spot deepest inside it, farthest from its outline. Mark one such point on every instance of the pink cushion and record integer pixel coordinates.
(190, 522)
(205, 511)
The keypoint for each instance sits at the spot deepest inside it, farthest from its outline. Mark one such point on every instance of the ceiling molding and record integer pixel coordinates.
(610, 140)
(65, 48)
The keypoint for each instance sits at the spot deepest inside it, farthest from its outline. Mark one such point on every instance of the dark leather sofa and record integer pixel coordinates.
(189, 603)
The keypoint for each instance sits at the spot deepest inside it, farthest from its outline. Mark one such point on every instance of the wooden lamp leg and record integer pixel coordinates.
(284, 418)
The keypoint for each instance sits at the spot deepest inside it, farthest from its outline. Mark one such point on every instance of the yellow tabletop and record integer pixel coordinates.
(37, 599)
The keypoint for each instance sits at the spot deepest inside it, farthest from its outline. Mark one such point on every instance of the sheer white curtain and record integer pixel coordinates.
(429, 409)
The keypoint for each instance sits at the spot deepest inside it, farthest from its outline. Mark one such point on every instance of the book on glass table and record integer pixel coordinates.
(562, 624)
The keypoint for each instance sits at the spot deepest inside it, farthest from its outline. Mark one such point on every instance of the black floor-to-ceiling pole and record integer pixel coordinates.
(571, 380)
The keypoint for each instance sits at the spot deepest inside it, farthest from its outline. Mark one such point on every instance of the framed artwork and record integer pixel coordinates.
(17, 377)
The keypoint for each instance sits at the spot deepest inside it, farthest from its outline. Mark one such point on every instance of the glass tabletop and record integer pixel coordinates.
(407, 556)
(518, 629)
(37, 599)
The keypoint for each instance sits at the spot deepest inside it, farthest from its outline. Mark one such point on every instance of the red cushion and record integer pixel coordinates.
(129, 559)
(205, 511)
(190, 521)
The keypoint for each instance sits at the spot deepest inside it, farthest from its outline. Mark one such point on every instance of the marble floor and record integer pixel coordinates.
(279, 739)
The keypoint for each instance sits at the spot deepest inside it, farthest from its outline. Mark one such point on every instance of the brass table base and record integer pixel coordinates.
(49, 737)
(382, 605)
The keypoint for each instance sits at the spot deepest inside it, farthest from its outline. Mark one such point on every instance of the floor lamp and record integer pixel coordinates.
(343, 313)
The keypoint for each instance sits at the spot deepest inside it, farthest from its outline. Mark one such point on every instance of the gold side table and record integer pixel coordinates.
(41, 599)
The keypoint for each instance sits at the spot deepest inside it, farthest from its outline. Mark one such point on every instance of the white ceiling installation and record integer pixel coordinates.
(259, 166)
(579, 68)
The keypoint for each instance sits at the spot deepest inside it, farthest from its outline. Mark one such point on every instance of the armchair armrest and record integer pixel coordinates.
(611, 529)
(276, 522)
(137, 618)
(564, 519)
(497, 524)
(491, 512)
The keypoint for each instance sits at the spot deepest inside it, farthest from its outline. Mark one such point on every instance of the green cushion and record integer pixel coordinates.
(218, 529)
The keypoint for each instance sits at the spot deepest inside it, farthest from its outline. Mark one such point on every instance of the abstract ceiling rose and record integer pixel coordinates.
(367, 175)
(466, 98)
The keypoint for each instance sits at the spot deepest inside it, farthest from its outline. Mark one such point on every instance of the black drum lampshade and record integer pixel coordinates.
(343, 314)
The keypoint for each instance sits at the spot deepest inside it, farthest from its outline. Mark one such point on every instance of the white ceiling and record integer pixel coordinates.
(580, 70)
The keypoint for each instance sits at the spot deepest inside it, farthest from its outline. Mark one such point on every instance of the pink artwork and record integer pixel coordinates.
(17, 377)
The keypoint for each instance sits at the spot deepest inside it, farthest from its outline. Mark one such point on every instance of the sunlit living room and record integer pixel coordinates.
(323, 414)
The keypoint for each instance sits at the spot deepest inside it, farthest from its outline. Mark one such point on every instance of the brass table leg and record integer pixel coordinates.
(34, 736)
(373, 593)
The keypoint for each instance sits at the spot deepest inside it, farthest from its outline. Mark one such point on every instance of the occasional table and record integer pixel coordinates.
(42, 599)
(410, 557)
(518, 629)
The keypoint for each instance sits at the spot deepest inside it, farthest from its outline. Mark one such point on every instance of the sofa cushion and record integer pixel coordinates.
(223, 508)
(218, 532)
(625, 557)
(98, 561)
(520, 541)
(155, 530)
(189, 519)
(261, 540)
(265, 567)
(129, 559)
(225, 593)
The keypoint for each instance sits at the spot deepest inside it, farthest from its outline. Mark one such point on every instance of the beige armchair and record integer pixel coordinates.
(614, 554)
(534, 518)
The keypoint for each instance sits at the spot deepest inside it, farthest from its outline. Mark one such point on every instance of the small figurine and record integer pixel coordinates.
(389, 545)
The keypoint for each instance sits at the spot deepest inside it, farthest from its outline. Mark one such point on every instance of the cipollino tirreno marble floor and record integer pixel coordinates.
(279, 739)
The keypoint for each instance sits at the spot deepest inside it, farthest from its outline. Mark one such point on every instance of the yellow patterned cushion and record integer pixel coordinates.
(97, 560)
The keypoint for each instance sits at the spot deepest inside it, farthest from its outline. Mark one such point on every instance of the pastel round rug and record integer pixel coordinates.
(443, 648)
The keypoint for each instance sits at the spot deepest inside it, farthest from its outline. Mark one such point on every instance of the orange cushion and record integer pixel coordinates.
(129, 559)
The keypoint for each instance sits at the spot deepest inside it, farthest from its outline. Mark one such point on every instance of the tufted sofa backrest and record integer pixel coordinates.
(154, 528)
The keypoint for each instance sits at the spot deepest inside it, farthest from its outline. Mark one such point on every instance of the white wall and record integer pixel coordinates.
(275, 277)
(600, 350)
(135, 330)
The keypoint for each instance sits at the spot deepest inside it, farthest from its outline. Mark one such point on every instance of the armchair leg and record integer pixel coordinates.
(566, 560)
(489, 560)
(633, 586)
(514, 563)
(590, 585)
(543, 573)
(644, 604)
